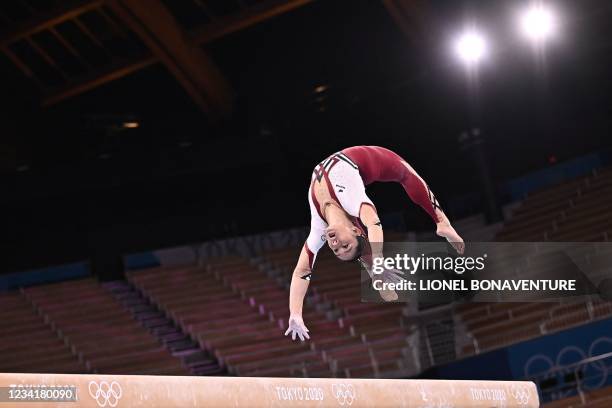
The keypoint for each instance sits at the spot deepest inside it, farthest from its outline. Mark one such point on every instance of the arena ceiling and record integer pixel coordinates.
(69, 47)
(66, 48)
(337, 71)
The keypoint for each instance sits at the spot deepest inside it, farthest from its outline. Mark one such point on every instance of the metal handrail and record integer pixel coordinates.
(578, 380)
(585, 361)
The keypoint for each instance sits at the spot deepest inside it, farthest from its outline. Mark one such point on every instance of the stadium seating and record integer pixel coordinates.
(164, 329)
(576, 211)
(28, 343)
(335, 288)
(100, 331)
(248, 299)
(494, 325)
(238, 310)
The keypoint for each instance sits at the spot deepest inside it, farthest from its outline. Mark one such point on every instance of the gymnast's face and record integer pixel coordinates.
(342, 240)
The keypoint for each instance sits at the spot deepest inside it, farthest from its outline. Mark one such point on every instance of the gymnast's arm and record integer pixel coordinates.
(369, 218)
(299, 283)
(297, 292)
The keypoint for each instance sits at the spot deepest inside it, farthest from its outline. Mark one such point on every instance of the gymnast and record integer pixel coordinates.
(343, 216)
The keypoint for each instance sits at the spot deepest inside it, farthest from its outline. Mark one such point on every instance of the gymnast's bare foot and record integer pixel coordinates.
(445, 230)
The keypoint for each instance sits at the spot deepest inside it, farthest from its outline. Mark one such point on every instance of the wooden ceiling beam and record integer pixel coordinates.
(183, 58)
(46, 57)
(196, 73)
(248, 17)
(44, 21)
(409, 16)
(24, 68)
(112, 72)
(66, 44)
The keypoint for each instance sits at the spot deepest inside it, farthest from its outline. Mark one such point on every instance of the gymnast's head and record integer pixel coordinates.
(346, 242)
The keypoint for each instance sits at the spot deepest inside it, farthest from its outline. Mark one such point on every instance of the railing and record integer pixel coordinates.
(577, 378)
(433, 332)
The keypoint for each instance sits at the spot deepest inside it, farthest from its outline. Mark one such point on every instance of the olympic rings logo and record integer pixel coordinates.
(105, 393)
(520, 394)
(345, 394)
(567, 355)
(589, 375)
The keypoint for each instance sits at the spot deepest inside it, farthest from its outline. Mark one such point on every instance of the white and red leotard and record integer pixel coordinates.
(347, 173)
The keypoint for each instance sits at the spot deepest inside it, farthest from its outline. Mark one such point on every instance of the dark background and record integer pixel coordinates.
(75, 189)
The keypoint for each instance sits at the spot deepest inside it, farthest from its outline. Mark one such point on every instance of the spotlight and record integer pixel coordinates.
(538, 23)
(131, 125)
(471, 47)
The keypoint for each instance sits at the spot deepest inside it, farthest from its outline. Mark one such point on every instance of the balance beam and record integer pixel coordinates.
(118, 391)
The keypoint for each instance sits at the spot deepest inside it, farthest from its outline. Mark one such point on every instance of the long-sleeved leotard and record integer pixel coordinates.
(346, 174)
(382, 165)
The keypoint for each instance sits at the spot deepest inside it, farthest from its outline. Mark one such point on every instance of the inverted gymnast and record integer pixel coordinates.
(344, 216)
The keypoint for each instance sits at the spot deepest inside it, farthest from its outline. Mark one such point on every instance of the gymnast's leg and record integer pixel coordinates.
(419, 192)
(380, 164)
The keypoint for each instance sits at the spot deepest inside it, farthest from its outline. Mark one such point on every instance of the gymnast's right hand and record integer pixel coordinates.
(297, 327)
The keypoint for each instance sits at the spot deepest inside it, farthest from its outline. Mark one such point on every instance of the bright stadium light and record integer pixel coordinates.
(471, 47)
(132, 124)
(538, 23)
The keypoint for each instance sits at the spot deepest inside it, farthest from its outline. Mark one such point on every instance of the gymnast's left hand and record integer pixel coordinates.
(297, 328)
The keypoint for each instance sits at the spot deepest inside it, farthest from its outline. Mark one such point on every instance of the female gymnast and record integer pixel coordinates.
(343, 216)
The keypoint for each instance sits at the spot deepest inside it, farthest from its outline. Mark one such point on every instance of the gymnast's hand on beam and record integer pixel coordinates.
(297, 327)
(392, 276)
